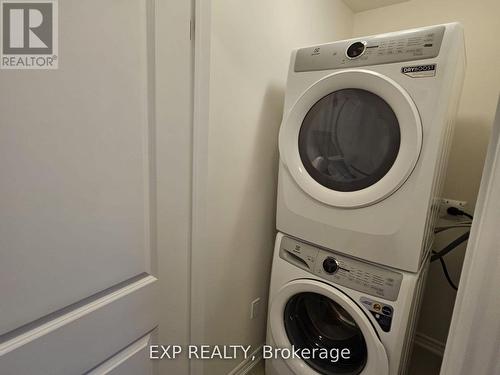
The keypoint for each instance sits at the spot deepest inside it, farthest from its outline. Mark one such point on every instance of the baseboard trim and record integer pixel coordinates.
(430, 343)
(248, 363)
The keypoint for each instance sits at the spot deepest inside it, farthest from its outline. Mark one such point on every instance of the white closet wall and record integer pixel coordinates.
(251, 42)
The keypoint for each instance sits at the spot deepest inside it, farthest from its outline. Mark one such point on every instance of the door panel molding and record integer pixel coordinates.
(133, 360)
(81, 339)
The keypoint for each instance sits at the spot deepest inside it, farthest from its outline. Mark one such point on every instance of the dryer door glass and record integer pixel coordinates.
(313, 321)
(349, 140)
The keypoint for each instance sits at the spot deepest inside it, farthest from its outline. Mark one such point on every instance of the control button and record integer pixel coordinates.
(385, 323)
(355, 50)
(330, 265)
(387, 310)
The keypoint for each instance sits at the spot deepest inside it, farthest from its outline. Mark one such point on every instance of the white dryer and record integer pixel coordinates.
(327, 301)
(365, 139)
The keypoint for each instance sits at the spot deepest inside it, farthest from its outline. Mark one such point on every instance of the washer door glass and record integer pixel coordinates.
(349, 140)
(314, 321)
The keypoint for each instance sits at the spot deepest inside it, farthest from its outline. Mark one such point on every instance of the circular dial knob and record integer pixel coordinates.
(330, 265)
(355, 50)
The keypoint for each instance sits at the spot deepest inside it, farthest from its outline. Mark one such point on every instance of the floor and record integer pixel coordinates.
(423, 362)
(258, 370)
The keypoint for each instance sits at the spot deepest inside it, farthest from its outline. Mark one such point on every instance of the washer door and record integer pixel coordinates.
(351, 139)
(309, 314)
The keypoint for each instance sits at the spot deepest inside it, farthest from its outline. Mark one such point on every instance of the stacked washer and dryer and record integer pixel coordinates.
(363, 150)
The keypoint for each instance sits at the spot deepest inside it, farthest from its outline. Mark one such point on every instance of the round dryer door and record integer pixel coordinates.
(308, 314)
(352, 138)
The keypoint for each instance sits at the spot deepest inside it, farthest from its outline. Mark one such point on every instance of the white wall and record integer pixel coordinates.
(475, 117)
(251, 43)
(250, 47)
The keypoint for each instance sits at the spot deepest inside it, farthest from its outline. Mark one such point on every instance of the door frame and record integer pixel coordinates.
(201, 112)
(472, 344)
(181, 226)
(174, 26)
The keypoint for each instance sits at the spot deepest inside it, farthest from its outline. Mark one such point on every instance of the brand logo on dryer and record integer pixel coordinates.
(419, 71)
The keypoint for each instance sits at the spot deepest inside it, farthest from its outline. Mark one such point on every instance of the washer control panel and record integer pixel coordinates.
(416, 44)
(342, 270)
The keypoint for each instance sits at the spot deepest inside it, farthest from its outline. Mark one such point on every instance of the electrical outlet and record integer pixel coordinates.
(254, 308)
(446, 203)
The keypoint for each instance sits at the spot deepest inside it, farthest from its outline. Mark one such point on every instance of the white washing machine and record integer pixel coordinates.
(327, 301)
(365, 139)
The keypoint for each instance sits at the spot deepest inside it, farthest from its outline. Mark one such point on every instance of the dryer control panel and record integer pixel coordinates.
(417, 44)
(342, 270)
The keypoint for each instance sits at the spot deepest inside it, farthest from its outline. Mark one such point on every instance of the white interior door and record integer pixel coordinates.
(77, 201)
